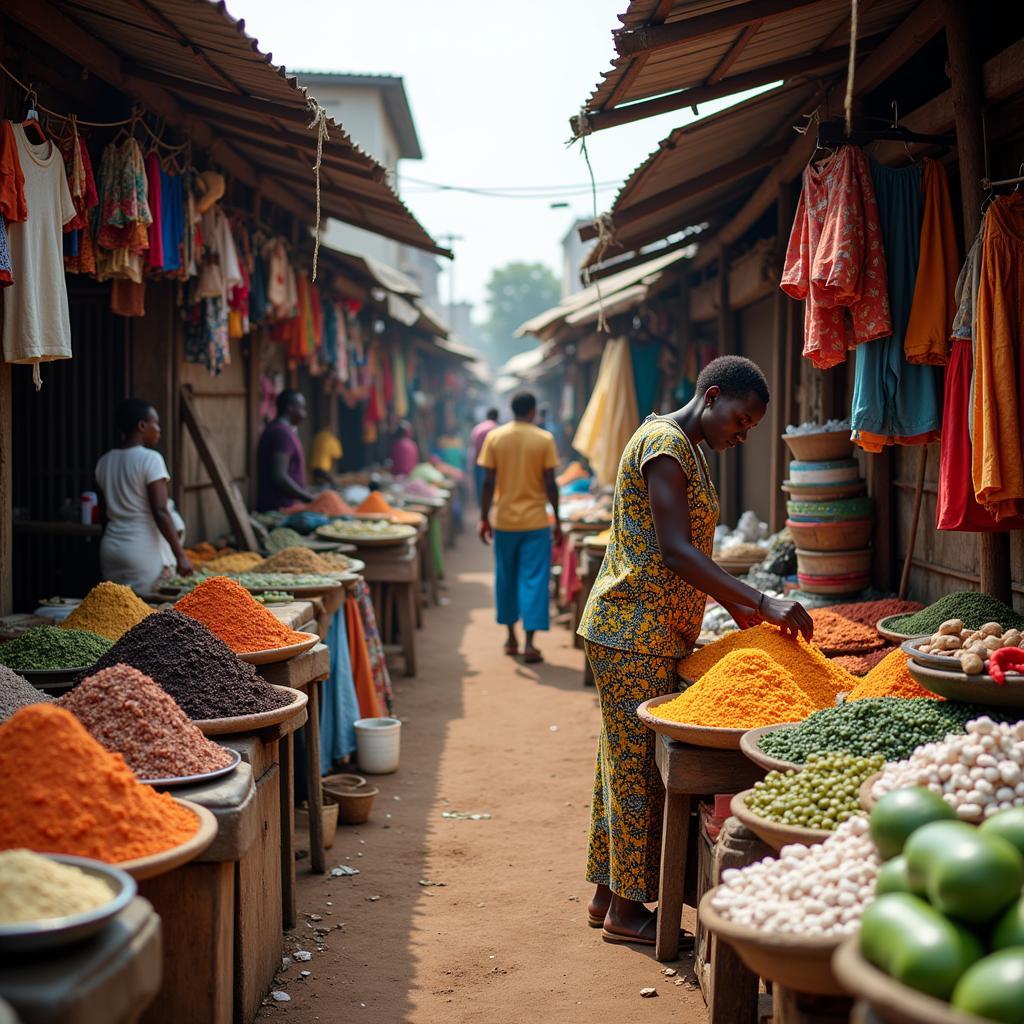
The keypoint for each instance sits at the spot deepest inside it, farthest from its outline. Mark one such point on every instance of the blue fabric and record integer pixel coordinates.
(892, 397)
(172, 219)
(644, 357)
(339, 706)
(522, 577)
(479, 475)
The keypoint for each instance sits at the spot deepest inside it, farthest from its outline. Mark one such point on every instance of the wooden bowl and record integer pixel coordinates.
(867, 801)
(695, 735)
(833, 563)
(155, 864)
(965, 689)
(793, 961)
(828, 446)
(774, 833)
(274, 655)
(841, 536)
(749, 745)
(893, 1002)
(883, 630)
(250, 723)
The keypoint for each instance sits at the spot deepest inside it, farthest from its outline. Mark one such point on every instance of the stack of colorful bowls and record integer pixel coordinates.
(830, 519)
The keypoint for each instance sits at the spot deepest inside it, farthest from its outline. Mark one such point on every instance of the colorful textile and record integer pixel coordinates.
(644, 357)
(125, 204)
(569, 584)
(339, 706)
(374, 645)
(359, 656)
(998, 457)
(835, 259)
(624, 850)
(522, 577)
(637, 602)
(79, 249)
(927, 338)
(155, 256)
(13, 205)
(405, 456)
(172, 220)
(6, 274)
(895, 402)
(519, 453)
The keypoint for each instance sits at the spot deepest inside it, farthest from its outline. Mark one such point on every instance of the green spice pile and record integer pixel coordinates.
(283, 537)
(891, 726)
(973, 609)
(821, 796)
(51, 648)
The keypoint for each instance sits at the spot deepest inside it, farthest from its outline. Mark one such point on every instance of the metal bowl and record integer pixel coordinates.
(53, 932)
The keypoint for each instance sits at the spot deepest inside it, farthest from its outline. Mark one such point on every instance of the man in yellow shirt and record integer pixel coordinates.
(519, 461)
(324, 451)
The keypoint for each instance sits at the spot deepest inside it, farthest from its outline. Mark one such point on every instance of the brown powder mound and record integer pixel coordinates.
(862, 664)
(300, 560)
(327, 503)
(868, 613)
(833, 632)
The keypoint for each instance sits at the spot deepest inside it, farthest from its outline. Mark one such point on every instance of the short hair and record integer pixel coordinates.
(523, 403)
(734, 376)
(286, 400)
(492, 414)
(130, 412)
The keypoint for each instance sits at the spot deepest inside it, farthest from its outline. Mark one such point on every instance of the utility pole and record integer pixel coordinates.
(449, 239)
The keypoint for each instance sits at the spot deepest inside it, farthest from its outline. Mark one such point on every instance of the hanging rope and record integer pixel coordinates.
(319, 122)
(53, 113)
(851, 68)
(602, 222)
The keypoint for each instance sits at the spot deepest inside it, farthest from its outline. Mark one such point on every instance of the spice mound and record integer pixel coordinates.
(229, 611)
(283, 537)
(890, 678)
(819, 678)
(745, 690)
(132, 716)
(834, 632)
(195, 667)
(974, 610)
(814, 891)
(822, 796)
(296, 560)
(375, 504)
(61, 792)
(17, 692)
(891, 726)
(868, 613)
(862, 664)
(35, 888)
(327, 503)
(53, 647)
(239, 561)
(110, 610)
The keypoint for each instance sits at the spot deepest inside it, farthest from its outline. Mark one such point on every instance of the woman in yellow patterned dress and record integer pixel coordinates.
(645, 613)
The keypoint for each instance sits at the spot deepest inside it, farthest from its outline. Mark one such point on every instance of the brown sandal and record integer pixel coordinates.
(511, 649)
(531, 656)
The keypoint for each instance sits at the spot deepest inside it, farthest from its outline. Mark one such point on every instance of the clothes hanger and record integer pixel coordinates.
(31, 122)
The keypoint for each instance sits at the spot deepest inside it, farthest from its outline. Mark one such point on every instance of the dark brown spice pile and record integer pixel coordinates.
(132, 716)
(869, 613)
(196, 668)
(862, 664)
(16, 691)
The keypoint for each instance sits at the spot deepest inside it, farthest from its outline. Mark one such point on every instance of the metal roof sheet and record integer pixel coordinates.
(727, 47)
(195, 51)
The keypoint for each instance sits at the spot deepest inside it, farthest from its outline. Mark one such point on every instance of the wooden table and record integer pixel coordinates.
(688, 772)
(428, 567)
(393, 573)
(108, 979)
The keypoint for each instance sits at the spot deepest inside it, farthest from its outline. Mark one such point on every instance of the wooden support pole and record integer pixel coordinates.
(915, 518)
(968, 105)
(780, 343)
(728, 473)
(6, 494)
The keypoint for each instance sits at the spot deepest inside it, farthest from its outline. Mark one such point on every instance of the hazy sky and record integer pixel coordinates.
(492, 88)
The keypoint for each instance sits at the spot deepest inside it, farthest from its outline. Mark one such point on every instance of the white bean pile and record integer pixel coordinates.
(814, 891)
(978, 773)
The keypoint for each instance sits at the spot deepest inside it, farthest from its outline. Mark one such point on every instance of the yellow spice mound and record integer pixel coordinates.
(239, 561)
(819, 678)
(744, 690)
(110, 610)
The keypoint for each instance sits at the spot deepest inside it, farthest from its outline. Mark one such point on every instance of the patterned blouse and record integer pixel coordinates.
(638, 604)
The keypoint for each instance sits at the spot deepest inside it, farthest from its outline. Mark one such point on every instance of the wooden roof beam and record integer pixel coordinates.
(636, 63)
(898, 47)
(733, 53)
(649, 38)
(735, 170)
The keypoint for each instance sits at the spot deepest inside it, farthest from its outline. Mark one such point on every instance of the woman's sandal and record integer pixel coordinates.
(531, 656)
(646, 936)
(595, 921)
(511, 649)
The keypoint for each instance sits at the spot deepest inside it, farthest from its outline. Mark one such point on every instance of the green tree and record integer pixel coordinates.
(516, 292)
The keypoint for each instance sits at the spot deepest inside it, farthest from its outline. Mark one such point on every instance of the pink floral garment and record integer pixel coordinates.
(835, 260)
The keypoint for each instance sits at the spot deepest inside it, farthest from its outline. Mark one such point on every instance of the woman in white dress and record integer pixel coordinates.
(141, 538)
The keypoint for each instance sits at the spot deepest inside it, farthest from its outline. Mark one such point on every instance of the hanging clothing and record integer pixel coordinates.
(339, 706)
(927, 338)
(79, 248)
(835, 260)
(895, 402)
(36, 324)
(998, 457)
(13, 204)
(359, 656)
(128, 298)
(155, 256)
(172, 221)
(374, 645)
(644, 357)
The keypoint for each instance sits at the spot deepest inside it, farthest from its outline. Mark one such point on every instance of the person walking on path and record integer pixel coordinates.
(645, 612)
(280, 460)
(519, 461)
(477, 436)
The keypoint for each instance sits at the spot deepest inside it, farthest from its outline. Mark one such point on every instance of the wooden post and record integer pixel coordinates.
(922, 467)
(728, 464)
(684, 328)
(968, 104)
(780, 345)
(6, 495)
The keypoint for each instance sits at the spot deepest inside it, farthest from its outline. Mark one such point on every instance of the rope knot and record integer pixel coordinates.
(581, 125)
(319, 122)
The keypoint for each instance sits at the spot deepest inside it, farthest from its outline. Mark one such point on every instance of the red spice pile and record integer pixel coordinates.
(327, 503)
(868, 613)
(862, 664)
(834, 632)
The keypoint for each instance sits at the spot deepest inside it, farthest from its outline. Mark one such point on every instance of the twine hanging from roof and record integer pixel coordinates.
(319, 122)
(603, 224)
(850, 69)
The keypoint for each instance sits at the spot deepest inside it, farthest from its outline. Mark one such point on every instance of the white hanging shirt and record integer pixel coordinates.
(37, 327)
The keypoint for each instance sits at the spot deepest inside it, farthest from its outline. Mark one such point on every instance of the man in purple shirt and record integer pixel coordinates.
(280, 461)
(476, 442)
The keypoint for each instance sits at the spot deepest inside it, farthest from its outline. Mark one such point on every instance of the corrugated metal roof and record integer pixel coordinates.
(729, 42)
(705, 166)
(195, 51)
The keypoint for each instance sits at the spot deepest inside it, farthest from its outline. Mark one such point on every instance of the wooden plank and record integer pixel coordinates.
(675, 835)
(6, 495)
(226, 491)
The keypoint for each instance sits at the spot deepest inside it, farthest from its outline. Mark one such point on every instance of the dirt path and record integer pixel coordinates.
(504, 938)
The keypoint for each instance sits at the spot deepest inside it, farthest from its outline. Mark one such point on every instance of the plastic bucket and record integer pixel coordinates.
(378, 742)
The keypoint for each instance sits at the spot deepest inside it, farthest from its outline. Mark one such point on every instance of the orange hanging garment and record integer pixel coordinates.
(931, 316)
(359, 655)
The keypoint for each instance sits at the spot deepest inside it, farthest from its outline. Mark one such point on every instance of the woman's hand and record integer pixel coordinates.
(184, 566)
(790, 616)
(744, 616)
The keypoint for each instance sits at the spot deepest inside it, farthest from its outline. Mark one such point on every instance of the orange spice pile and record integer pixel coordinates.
(889, 678)
(230, 612)
(834, 632)
(375, 504)
(61, 792)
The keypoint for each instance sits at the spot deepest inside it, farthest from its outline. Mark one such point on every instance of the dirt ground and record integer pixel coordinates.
(500, 935)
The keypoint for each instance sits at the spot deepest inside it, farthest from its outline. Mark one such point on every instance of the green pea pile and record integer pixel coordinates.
(893, 727)
(821, 796)
(52, 647)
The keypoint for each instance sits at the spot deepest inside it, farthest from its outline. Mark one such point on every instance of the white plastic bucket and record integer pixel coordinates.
(378, 743)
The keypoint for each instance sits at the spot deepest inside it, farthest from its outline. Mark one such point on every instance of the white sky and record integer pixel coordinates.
(491, 88)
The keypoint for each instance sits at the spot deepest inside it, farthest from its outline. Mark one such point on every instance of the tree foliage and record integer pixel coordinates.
(516, 292)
